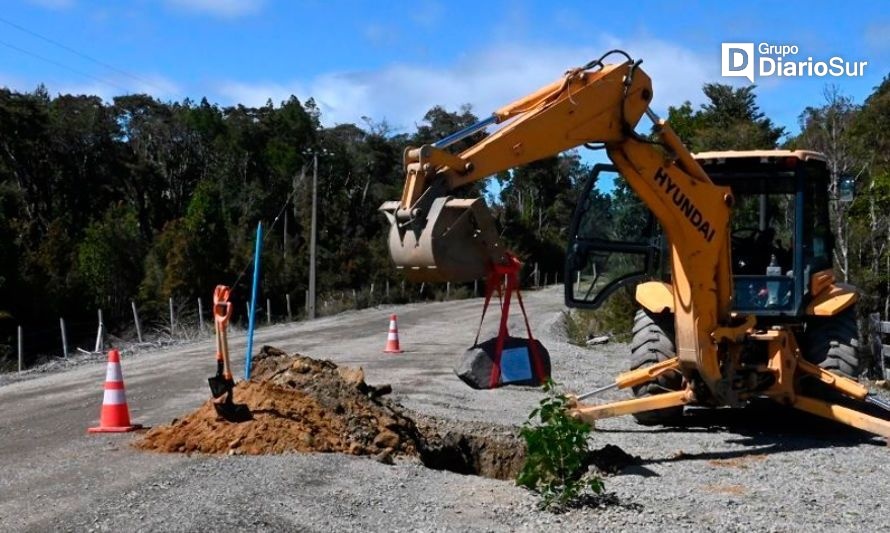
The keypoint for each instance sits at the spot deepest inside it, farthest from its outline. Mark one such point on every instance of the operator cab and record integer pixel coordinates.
(780, 232)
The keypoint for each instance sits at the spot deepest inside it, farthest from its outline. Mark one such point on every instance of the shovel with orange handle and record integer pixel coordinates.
(222, 384)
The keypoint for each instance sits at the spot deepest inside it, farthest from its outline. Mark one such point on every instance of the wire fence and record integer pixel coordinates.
(192, 320)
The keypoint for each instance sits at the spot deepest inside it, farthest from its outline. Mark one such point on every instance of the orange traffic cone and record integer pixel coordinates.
(392, 340)
(115, 417)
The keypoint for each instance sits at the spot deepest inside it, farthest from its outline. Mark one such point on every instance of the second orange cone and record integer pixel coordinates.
(392, 339)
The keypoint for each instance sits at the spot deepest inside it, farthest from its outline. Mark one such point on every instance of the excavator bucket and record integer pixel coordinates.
(456, 241)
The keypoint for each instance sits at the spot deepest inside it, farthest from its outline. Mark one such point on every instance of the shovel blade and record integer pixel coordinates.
(220, 386)
(233, 412)
(222, 390)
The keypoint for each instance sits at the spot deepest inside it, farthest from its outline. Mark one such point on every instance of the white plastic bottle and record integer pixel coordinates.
(772, 287)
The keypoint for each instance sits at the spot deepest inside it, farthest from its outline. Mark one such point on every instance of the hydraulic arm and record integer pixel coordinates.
(594, 104)
(436, 237)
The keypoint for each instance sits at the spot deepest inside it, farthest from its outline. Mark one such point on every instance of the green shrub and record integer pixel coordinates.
(556, 453)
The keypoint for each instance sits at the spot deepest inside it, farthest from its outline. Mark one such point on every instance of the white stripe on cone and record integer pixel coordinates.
(113, 372)
(114, 397)
(392, 336)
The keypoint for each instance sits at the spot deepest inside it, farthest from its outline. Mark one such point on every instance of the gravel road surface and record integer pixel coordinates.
(759, 469)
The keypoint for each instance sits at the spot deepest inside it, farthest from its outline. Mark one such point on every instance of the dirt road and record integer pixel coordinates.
(758, 469)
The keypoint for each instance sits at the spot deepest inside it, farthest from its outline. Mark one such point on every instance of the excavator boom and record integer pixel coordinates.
(436, 237)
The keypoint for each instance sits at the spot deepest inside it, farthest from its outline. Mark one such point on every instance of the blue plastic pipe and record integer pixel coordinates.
(256, 280)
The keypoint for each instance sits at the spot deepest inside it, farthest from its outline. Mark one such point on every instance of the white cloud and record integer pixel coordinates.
(219, 8)
(488, 79)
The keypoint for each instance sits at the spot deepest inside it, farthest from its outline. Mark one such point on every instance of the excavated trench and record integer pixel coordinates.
(300, 404)
(470, 448)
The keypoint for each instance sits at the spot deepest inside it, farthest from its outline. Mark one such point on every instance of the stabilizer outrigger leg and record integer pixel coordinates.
(786, 366)
(640, 376)
(589, 413)
(840, 413)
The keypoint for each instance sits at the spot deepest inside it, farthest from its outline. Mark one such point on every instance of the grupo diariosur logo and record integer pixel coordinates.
(739, 60)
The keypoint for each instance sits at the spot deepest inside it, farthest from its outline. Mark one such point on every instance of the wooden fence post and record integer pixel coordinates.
(100, 335)
(172, 318)
(268, 311)
(290, 316)
(447, 290)
(387, 289)
(200, 315)
(21, 349)
(64, 337)
(876, 328)
(136, 321)
(475, 287)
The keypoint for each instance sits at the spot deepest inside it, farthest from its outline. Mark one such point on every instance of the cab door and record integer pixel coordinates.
(614, 242)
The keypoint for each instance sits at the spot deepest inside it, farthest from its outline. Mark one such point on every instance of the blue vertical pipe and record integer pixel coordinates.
(256, 279)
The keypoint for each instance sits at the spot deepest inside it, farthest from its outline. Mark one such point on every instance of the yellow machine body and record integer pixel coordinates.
(603, 103)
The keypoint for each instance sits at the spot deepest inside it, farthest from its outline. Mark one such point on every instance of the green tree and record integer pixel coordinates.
(730, 120)
(109, 260)
(827, 129)
(870, 131)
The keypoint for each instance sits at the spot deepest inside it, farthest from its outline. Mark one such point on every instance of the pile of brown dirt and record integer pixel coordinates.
(300, 404)
(297, 404)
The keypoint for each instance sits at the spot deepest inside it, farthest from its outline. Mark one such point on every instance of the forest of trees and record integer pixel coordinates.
(137, 199)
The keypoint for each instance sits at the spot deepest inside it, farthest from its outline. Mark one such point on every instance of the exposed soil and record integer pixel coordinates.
(730, 490)
(480, 449)
(300, 404)
(743, 461)
(297, 404)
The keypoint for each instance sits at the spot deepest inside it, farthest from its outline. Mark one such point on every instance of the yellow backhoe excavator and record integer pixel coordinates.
(734, 315)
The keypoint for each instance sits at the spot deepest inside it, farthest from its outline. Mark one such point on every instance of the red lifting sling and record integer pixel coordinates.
(510, 273)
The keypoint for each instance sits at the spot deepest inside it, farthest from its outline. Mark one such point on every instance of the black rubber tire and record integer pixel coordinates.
(833, 343)
(653, 342)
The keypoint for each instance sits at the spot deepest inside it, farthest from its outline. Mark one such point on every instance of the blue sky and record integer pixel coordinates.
(394, 60)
